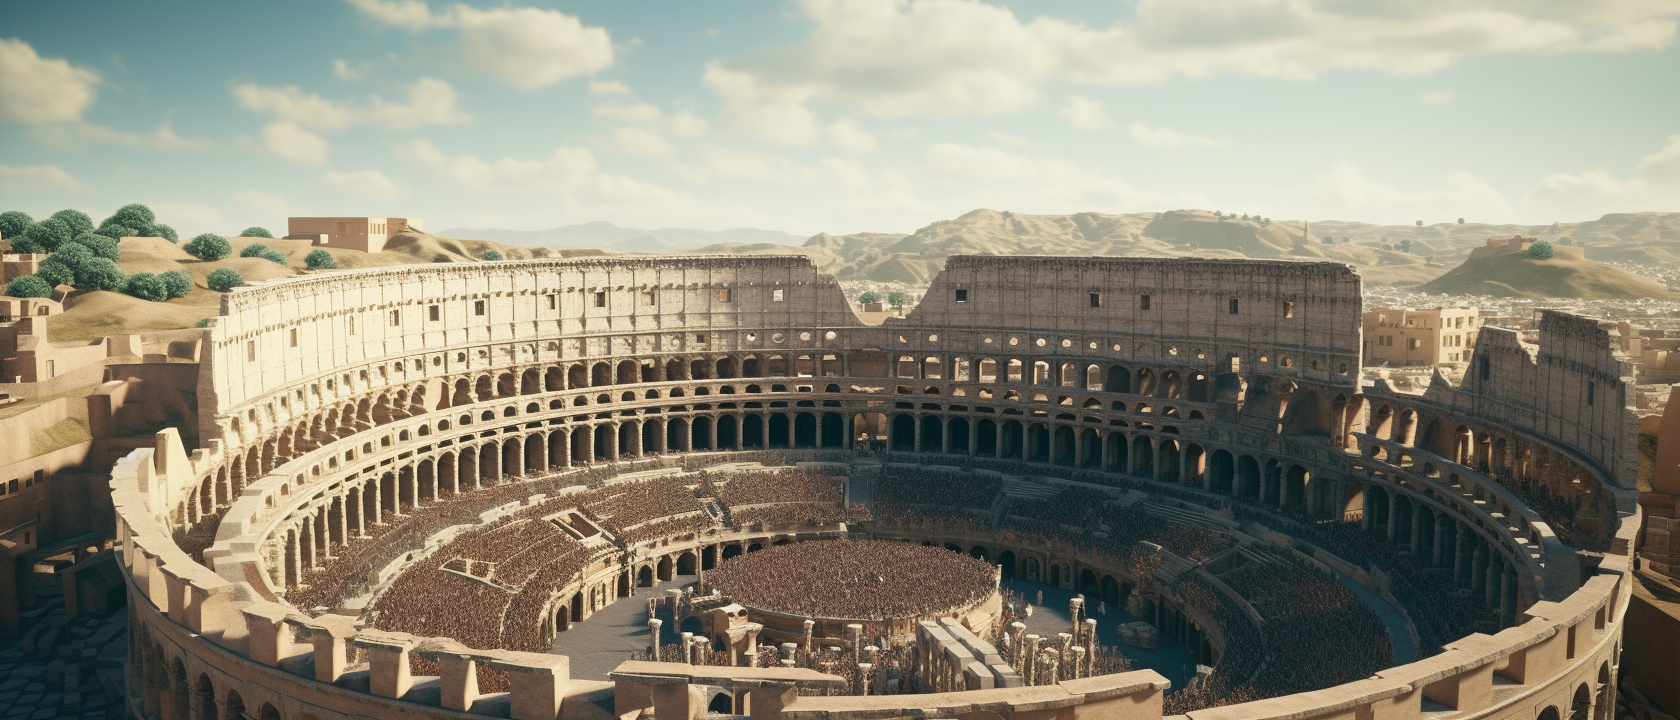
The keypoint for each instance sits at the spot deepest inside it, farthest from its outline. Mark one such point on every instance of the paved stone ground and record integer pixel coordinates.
(604, 640)
(63, 667)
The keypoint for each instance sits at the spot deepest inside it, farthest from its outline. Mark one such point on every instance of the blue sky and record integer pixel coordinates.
(838, 115)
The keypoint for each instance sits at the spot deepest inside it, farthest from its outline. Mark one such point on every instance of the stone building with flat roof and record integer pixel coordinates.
(367, 234)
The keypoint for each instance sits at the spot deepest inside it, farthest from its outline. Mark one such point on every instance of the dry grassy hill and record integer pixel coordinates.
(1565, 274)
(1374, 249)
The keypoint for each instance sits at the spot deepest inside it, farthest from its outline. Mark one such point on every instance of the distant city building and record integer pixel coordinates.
(367, 234)
(1404, 337)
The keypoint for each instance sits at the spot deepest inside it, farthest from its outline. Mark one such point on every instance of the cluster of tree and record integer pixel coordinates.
(255, 231)
(259, 250)
(490, 255)
(1541, 250)
(159, 287)
(67, 226)
(1264, 221)
(319, 259)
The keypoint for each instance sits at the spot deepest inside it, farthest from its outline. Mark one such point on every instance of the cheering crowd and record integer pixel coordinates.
(871, 580)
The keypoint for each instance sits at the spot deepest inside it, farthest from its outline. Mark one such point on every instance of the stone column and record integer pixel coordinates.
(916, 433)
(1365, 509)
(1461, 553)
(1438, 554)
(612, 430)
(1478, 569)
(1417, 528)
(1490, 595)
(1508, 597)
(653, 634)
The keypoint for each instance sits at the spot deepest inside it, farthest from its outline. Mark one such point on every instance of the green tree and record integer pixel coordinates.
(255, 231)
(146, 286)
(1420, 223)
(897, 298)
(1329, 239)
(273, 256)
(100, 245)
(119, 230)
(13, 223)
(869, 297)
(1461, 221)
(490, 255)
(133, 215)
(208, 247)
(253, 250)
(1406, 245)
(99, 274)
(72, 256)
(55, 274)
(176, 282)
(202, 323)
(224, 280)
(78, 221)
(49, 234)
(29, 286)
(319, 259)
(163, 231)
(1541, 250)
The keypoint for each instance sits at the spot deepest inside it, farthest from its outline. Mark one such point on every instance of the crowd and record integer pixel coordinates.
(919, 486)
(867, 580)
(802, 514)
(786, 486)
(1302, 608)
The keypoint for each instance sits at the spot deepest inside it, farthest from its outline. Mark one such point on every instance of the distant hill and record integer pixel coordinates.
(1384, 254)
(1513, 274)
(602, 234)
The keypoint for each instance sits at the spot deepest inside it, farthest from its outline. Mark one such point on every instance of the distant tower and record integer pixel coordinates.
(1306, 232)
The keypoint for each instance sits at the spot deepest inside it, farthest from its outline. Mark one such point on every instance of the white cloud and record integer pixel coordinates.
(1436, 98)
(641, 142)
(991, 177)
(34, 89)
(430, 102)
(951, 57)
(713, 162)
(1344, 191)
(369, 184)
(1000, 136)
(36, 177)
(608, 87)
(345, 71)
(1655, 185)
(567, 169)
(1166, 137)
(289, 142)
(1085, 113)
(525, 47)
(81, 134)
(849, 136)
(258, 202)
(646, 131)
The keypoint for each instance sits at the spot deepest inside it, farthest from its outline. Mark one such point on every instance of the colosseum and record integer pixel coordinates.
(1058, 488)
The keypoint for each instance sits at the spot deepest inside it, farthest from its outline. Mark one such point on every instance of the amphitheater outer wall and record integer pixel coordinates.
(284, 352)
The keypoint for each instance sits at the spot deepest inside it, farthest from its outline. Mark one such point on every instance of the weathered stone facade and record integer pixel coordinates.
(327, 400)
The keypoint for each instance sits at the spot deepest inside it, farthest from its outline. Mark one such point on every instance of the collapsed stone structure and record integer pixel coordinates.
(334, 402)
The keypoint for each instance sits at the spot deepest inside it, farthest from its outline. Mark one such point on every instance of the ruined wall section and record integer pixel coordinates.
(1571, 388)
(1292, 319)
(276, 341)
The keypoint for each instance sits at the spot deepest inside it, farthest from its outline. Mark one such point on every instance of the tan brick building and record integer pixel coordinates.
(1404, 337)
(367, 234)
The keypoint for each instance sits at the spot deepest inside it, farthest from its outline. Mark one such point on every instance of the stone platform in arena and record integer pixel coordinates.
(885, 587)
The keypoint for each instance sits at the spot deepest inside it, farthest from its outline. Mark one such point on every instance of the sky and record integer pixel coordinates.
(838, 116)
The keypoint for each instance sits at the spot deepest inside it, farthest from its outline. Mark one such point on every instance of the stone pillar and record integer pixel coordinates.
(916, 433)
(1416, 538)
(1365, 510)
(378, 499)
(1490, 595)
(1461, 553)
(1478, 569)
(458, 681)
(612, 430)
(1438, 552)
(810, 627)
(653, 635)
(1508, 597)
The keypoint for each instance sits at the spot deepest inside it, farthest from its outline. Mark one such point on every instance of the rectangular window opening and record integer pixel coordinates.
(1143, 302)
(723, 295)
(601, 299)
(1235, 306)
(293, 338)
(1096, 300)
(962, 295)
(777, 295)
(1288, 309)
(554, 302)
(435, 313)
(250, 351)
(478, 307)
